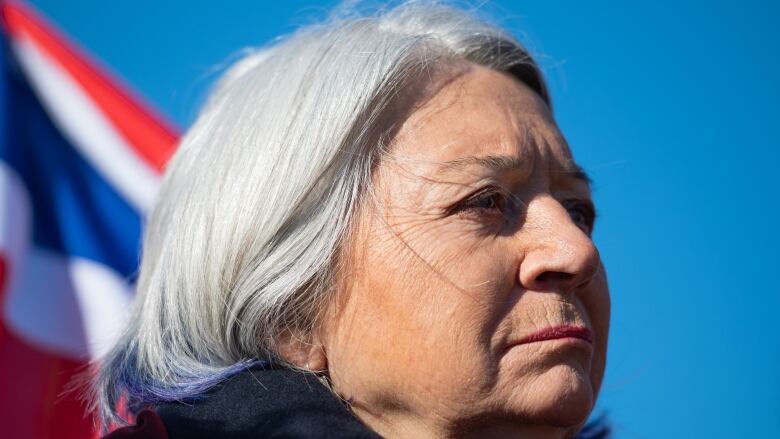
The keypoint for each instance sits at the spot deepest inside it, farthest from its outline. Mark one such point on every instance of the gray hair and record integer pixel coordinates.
(242, 244)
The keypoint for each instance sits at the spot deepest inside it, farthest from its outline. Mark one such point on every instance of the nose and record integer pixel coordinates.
(559, 255)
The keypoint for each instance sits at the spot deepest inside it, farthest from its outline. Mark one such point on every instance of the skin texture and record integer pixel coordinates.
(477, 235)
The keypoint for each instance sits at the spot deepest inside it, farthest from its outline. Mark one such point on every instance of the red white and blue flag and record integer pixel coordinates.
(80, 162)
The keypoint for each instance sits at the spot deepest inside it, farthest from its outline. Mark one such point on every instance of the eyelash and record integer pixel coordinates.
(486, 200)
(586, 210)
(498, 201)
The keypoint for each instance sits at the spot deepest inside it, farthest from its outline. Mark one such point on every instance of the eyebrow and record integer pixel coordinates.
(574, 170)
(507, 163)
(494, 162)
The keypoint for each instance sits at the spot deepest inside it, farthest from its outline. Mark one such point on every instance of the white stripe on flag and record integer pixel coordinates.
(41, 308)
(70, 306)
(105, 301)
(84, 125)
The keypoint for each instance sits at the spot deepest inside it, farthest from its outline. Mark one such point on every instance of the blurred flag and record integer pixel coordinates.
(80, 161)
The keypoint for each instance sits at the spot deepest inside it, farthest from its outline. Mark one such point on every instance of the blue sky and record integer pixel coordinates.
(672, 109)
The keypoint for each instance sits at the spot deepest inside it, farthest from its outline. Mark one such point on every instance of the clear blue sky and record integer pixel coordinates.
(671, 107)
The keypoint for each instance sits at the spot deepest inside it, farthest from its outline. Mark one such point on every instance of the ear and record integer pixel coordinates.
(304, 351)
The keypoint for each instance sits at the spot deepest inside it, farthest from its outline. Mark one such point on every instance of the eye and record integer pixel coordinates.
(489, 200)
(582, 213)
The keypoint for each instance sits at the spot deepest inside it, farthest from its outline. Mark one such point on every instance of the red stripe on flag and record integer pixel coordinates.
(34, 402)
(33, 383)
(151, 138)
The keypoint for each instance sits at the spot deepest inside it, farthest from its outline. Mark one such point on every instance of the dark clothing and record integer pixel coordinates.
(266, 403)
(148, 425)
(256, 403)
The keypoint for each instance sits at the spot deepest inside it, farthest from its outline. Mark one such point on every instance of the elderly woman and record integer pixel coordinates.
(374, 228)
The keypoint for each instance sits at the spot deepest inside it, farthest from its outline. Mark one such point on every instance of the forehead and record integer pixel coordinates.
(482, 113)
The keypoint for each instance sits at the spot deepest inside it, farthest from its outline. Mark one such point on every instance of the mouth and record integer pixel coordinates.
(557, 332)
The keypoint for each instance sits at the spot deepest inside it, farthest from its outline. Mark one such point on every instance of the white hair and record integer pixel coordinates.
(243, 241)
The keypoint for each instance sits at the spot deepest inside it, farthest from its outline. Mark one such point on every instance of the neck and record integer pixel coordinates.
(399, 425)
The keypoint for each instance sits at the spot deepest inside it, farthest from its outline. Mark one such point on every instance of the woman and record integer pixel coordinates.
(384, 204)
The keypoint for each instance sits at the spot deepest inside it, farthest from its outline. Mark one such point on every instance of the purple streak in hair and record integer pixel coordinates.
(143, 393)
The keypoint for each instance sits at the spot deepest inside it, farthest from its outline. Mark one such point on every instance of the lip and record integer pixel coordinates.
(557, 332)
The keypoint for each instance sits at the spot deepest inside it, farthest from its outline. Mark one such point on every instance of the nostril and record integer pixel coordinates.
(554, 277)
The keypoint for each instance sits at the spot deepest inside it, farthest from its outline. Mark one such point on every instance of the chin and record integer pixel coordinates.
(563, 396)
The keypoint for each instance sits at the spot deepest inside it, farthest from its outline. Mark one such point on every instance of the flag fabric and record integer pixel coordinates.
(80, 162)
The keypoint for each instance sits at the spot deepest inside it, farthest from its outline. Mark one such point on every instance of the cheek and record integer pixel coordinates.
(417, 326)
(598, 306)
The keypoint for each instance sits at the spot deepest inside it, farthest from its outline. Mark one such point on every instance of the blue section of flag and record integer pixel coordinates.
(4, 131)
(74, 210)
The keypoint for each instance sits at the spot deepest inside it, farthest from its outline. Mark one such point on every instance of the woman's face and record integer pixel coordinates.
(475, 301)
